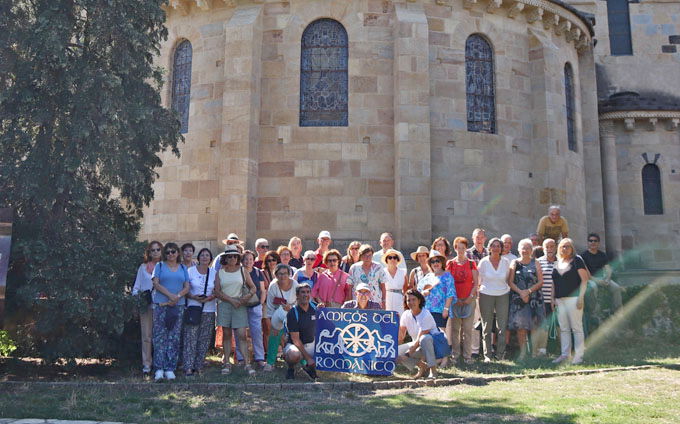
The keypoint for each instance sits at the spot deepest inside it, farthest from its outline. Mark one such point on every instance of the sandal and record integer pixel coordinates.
(226, 370)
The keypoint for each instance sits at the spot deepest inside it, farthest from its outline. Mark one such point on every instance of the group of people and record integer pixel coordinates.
(267, 298)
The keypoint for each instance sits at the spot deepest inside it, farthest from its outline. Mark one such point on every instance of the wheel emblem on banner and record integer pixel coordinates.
(357, 339)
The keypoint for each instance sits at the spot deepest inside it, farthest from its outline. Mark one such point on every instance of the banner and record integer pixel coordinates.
(5, 244)
(361, 341)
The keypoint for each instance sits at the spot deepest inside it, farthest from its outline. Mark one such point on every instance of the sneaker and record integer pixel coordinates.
(433, 373)
(577, 361)
(146, 370)
(559, 359)
(267, 368)
(226, 370)
(486, 359)
(158, 376)
(250, 370)
(169, 375)
(310, 372)
(290, 374)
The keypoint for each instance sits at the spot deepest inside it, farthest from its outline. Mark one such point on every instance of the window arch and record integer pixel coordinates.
(570, 106)
(651, 190)
(323, 75)
(181, 83)
(479, 85)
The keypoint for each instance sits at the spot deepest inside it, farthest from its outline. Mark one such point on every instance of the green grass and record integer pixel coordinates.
(641, 396)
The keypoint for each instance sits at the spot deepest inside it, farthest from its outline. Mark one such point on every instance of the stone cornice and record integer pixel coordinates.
(563, 19)
(650, 117)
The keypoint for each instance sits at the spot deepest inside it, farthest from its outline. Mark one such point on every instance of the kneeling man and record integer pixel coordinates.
(301, 323)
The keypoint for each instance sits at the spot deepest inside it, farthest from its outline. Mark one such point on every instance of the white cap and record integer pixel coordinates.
(324, 234)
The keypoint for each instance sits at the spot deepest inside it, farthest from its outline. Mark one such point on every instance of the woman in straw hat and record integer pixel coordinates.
(420, 255)
(395, 280)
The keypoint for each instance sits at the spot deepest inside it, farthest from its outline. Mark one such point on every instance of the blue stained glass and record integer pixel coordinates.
(569, 99)
(651, 190)
(181, 83)
(479, 84)
(323, 75)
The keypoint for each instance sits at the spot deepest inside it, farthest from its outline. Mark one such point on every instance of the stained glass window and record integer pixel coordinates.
(479, 85)
(569, 99)
(181, 83)
(323, 75)
(618, 19)
(651, 190)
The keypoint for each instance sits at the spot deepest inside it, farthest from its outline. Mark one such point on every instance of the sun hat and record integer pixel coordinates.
(390, 252)
(362, 286)
(231, 249)
(324, 234)
(420, 250)
(435, 254)
(231, 237)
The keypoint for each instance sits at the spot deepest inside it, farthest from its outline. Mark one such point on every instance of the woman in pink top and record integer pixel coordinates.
(331, 288)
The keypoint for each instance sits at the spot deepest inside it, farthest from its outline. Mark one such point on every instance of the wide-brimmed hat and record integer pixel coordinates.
(231, 249)
(420, 250)
(436, 254)
(390, 252)
(231, 237)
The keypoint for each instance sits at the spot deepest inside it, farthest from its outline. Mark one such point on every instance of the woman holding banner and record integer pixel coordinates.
(418, 322)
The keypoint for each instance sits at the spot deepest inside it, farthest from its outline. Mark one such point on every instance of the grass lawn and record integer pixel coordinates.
(641, 396)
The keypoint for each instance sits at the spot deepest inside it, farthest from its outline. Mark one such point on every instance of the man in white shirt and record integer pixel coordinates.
(507, 248)
(386, 242)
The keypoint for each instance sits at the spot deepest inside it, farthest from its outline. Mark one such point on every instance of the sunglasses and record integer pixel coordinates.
(158, 249)
(231, 256)
(310, 259)
(331, 260)
(392, 257)
(593, 241)
(271, 260)
(170, 252)
(353, 248)
(263, 246)
(435, 261)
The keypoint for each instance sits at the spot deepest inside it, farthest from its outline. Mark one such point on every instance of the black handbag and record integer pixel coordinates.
(192, 316)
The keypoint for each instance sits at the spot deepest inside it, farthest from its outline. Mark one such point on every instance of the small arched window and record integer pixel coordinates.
(570, 106)
(651, 190)
(181, 83)
(323, 75)
(479, 85)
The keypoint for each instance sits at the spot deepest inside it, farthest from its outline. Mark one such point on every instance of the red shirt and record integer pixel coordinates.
(319, 259)
(462, 276)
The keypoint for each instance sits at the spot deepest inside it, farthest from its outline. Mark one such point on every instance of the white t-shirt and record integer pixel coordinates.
(510, 257)
(423, 321)
(274, 291)
(197, 281)
(493, 282)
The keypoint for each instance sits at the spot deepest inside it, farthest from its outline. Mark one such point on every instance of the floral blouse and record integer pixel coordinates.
(443, 288)
(376, 276)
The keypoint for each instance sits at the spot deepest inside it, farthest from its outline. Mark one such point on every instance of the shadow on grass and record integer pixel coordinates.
(157, 406)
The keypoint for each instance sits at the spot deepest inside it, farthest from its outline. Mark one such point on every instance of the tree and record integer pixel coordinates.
(81, 130)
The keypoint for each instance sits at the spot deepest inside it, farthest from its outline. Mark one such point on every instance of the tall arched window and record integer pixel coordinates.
(479, 85)
(323, 75)
(651, 190)
(181, 83)
(570, 106)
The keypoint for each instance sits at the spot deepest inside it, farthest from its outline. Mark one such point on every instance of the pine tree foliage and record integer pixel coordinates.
(81, 130)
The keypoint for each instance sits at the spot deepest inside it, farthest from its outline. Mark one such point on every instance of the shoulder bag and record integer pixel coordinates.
(252, 300)
(192, 316)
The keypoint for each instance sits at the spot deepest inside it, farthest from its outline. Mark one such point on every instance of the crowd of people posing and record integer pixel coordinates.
(267, 298)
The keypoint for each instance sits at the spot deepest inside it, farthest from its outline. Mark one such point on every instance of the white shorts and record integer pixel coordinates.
(309, 347)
